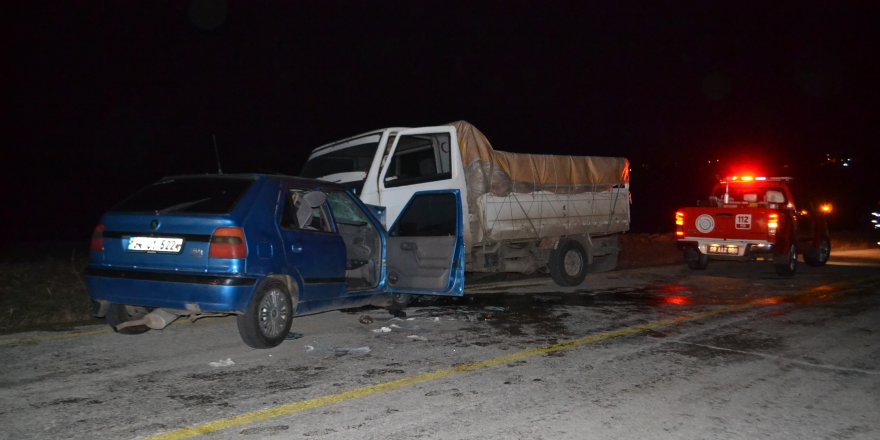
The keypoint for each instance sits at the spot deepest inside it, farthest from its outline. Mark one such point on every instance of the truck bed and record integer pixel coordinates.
(517, 216)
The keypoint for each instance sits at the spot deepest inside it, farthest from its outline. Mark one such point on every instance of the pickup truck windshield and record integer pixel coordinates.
(354, 158)
(745, 194)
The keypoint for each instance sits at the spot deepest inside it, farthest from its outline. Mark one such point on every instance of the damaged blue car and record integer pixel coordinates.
(266, 248)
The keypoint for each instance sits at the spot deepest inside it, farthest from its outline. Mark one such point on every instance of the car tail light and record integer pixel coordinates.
(772, 223)
(228, 243)
(679, 224)
(97, 244)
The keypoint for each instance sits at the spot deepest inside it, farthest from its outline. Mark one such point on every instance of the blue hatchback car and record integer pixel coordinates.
(265, 248)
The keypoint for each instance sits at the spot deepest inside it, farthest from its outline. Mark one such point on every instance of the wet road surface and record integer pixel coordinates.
(730, 352)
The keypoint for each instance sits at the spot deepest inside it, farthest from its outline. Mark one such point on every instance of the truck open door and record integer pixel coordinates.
(425, 246)
(420, 159)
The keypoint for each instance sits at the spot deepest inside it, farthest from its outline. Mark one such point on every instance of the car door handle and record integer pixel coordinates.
(296, 248)
(408, 246)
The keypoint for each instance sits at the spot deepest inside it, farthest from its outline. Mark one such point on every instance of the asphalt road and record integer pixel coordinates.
(733, 352)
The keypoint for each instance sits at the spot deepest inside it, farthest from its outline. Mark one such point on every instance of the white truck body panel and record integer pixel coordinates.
(504, 211)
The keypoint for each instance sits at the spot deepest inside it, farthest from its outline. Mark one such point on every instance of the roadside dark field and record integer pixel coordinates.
(42, 285)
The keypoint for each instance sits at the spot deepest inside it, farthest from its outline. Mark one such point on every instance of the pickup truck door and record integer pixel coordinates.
(420, 159)
(425, 248)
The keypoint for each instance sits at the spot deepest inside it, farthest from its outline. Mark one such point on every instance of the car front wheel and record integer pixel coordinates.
(268, 318)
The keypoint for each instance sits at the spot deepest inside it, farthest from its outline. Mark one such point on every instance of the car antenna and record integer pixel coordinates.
(217, 154)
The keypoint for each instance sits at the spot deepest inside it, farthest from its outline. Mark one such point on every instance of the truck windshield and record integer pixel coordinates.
(748, 194)
(354, 158)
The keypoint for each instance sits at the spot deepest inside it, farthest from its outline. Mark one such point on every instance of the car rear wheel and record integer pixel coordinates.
(787, 265)
(695, 259)
(268, 318)
(568, 263)
(818, 255)
(119, 313)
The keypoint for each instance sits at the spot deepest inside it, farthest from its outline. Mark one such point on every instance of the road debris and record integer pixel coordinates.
(417, 338)
(222, 363)
(365, 319)
(382, 330)
(356, 351)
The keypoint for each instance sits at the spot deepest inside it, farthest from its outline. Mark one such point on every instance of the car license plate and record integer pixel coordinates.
(723, 249)
(155, 244)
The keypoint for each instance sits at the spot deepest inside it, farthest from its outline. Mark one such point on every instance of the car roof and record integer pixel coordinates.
(301, 182)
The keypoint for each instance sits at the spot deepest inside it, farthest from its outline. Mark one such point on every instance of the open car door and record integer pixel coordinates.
(425, 248)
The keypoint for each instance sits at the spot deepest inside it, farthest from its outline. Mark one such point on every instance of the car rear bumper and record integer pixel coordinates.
(745, 249)
(193, 292)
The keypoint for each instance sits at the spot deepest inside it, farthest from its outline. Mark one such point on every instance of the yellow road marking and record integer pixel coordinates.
(320, 402)
(57, 337)
(65, 335)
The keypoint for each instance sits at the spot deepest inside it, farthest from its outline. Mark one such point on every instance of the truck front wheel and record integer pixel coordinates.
(568, 263)
(818, 255)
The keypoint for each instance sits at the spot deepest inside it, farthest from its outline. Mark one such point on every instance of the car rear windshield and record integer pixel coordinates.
(196, 195)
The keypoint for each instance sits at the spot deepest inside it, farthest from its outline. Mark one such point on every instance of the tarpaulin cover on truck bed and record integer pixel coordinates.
(500, 172)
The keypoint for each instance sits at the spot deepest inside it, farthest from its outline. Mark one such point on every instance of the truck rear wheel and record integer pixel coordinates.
(818, 255)
(568, 263)
(695, 259)
(786, 266)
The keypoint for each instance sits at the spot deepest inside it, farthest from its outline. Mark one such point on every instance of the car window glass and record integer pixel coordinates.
(345, 210)
(188, 195)
(318, 221)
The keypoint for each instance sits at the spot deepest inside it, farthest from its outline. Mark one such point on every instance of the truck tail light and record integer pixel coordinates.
(679, 224)
(97, 244)
(772, 223)
(228, 243)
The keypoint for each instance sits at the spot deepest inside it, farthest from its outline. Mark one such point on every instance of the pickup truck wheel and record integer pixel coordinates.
(818, 255)
(695, 259)
(268, 318)
(787, 266)
(568, 263)
(119, 313)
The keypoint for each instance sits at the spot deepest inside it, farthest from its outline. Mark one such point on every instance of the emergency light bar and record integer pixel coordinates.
(755, 179)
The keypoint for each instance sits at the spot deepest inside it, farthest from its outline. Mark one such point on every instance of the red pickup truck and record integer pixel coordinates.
(751, 218)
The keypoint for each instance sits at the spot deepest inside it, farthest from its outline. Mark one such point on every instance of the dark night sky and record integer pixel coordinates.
(102, 99)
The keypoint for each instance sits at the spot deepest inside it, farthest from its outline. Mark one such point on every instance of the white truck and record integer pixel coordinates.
(520, 212)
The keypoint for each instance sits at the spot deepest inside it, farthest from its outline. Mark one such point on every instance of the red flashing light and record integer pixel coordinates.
(677, 300)
(228, 243)
(679, 224)
(772, 222)
(97, 244)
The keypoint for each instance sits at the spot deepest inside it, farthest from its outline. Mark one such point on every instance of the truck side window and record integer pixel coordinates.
(420, 158)
(429, 215)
